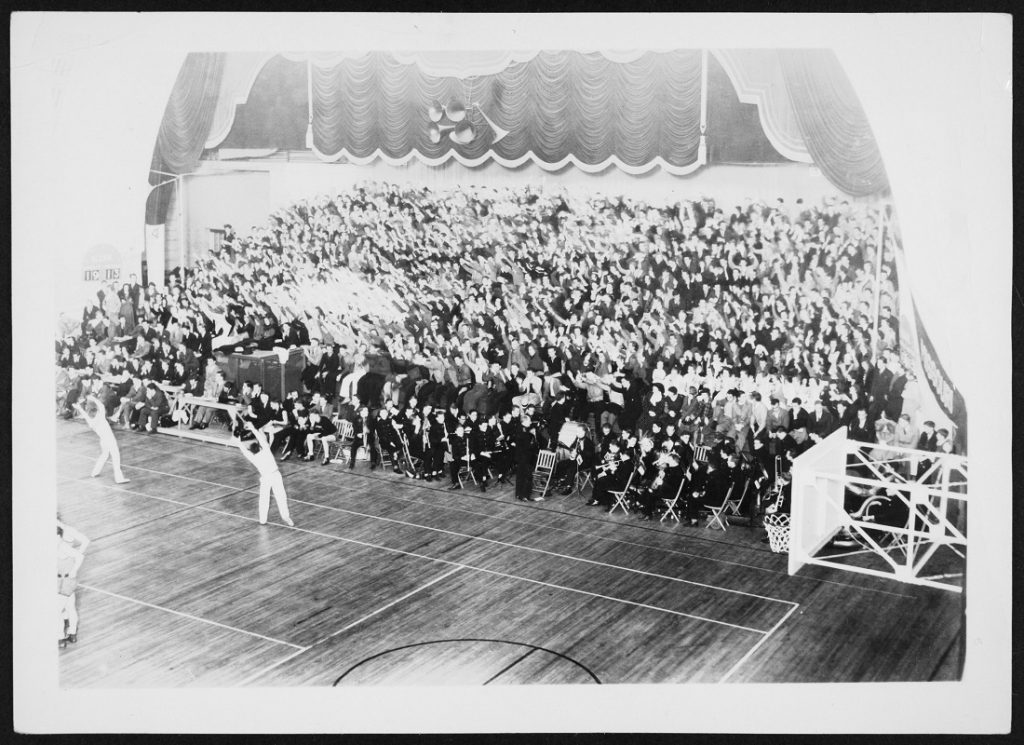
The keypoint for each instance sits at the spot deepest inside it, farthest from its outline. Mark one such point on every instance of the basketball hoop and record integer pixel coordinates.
(777, 526)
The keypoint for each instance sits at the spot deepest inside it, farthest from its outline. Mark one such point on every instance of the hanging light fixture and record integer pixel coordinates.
(436, 111)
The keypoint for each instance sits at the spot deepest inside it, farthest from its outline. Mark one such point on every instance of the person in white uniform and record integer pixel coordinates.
(71, 547)
(259, 454)
(96, 418)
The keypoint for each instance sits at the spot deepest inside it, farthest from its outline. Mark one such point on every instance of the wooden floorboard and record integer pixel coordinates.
(619, 643)
(125, 644)
(402, 582)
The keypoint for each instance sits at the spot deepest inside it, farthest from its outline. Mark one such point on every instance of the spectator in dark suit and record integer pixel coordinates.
(798, 417)
(821, 422)
(152, 408)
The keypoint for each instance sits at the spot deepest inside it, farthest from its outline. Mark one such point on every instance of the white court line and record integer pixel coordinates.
(757, 646)
(499, 574)
(120, 488)
(548, 553)
(355, 490)
(189, 616)
(590, 535)
(368, 616)
(162, 473)
(136, 443)
(512, 576)
(117, 487)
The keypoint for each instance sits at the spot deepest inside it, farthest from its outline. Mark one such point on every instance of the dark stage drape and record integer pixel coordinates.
(832, 121)
(184, 128)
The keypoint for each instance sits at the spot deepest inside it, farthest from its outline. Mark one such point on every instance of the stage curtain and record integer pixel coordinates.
(185, 127)
(832, 121)
(735, 133)
(557, 108)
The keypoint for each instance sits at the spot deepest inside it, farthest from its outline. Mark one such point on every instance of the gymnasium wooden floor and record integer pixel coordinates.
(385, 580)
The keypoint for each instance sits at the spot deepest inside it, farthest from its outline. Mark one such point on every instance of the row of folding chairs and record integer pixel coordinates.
(719, 514)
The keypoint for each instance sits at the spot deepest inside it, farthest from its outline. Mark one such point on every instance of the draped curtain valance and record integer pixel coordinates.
(557, 108)
(634, 110)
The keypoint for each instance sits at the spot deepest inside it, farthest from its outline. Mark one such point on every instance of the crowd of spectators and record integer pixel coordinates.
(750, 326)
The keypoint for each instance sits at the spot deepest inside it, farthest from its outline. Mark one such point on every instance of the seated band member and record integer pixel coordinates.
(362, 435)
(694, 491)
(501, 456)
(569, 442)
(457, 451)
(412, 431)
(507, 427)
(437, 446)
(402, 463)
(320, 428)
(646, 462)
(482, 443)
(387, 440)
(669, 474)
(612, 475)
(709, 486)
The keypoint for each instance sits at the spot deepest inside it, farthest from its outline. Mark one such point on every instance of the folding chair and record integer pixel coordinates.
(543, 473)
(383, 456)
(732, 506)
(620, 496)
(715, 518)
(583, 477)
(342, 440)
(701, 453)
(670, 506)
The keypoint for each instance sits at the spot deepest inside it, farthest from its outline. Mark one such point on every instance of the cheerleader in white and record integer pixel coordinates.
(96, 418)
(259, 455)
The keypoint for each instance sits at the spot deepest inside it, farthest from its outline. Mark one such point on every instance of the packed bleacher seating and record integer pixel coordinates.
(457, 334)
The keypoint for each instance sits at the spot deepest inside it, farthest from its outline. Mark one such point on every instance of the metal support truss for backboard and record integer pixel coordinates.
(935, 498)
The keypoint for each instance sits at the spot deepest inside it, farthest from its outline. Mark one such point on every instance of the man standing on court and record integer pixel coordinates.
(259, 454)
(71, 547)
(94, 415)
